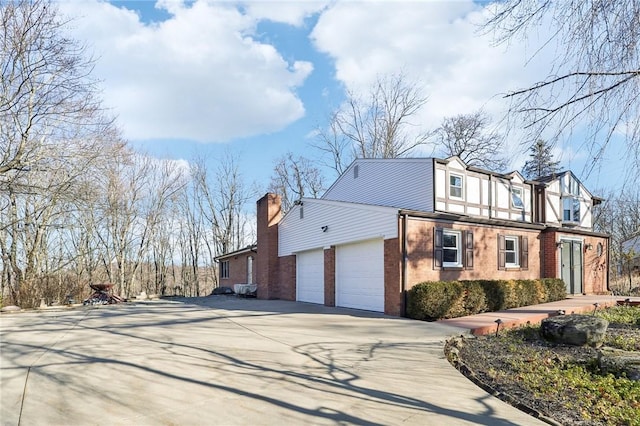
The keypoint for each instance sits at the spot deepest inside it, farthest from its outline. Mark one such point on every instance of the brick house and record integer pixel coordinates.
(388, 224)
(237, 267)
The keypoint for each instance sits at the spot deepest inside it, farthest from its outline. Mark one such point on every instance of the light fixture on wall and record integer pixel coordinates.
(588, 246)
(559, 244)
(325, 228)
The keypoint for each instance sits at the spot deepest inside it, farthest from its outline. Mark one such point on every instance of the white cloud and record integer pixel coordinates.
(436, 43)
(284, 11)
(198, 75)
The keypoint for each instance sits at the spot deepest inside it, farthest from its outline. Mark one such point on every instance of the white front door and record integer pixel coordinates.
(360, 275)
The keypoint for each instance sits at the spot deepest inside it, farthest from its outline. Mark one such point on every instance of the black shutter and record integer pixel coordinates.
(437, 248)
(501, 253)
(524, 253)
(468, 250)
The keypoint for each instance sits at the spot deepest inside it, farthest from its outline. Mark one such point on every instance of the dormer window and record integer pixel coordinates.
(455, 186)
(570, 209)
(516, 198)
(571, 202)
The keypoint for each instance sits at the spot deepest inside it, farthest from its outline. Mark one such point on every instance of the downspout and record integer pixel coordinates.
(608, 260)
(403, 273)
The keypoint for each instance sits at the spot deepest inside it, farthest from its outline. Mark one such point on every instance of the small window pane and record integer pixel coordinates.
(510, 244)
(576, 210)
(566, 210)
(511, 251)
(450, 256)
(516, 198)
(450, 240)
(455, 186)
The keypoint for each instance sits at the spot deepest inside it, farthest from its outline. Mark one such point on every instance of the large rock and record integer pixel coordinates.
(619, 362)
(577, 330)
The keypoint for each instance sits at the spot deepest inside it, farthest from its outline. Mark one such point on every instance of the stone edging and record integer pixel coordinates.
(451, 353)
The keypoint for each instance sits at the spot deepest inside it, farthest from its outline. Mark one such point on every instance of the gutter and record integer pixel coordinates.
(403, 273)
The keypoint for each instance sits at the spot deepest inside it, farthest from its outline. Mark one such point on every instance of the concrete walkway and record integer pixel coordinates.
(486, 323)
(227, 361)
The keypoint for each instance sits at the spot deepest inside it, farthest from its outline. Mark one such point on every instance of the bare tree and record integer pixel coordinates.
(541, 161)
(595, 81)
(294, 178)
(467, 136)
(222, 198)
(619, 217)
(52, 133)
(45, 91)
(377, 125)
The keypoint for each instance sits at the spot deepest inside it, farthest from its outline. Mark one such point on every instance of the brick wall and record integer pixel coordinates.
(238, 270)
(420, 266)
(392, 272)
(287, 277)
(330, 276)
(267, 268)
(549, 254)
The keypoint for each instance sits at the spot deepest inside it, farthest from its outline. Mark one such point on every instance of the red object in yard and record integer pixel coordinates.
(102, 296)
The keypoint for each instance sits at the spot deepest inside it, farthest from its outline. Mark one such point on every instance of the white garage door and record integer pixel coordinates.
(360, 276)
(310, 276)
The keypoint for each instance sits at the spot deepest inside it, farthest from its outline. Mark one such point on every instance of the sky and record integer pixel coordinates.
(258, 78)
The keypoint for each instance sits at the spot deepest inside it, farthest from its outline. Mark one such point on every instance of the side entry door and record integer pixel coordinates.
(571, 258)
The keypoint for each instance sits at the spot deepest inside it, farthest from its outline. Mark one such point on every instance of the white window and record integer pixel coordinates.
(570, 209)
(511, 252)
(455, 186)
(516, 198)
(224, 269)
(451, 248)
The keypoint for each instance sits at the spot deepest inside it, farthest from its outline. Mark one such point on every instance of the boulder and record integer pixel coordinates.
(576, 330)
(619, 362)
(11, 308)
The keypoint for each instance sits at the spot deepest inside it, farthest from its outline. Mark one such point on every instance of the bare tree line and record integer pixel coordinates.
(77, 204)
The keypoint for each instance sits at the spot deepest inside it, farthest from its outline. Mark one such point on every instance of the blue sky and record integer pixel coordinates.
(257, 78)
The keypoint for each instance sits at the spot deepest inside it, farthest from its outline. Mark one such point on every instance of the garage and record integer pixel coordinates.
(310, 276)
(360, 275)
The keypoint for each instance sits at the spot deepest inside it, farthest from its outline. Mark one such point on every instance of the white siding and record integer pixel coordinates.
(441, 184)
(473, 190)
(502, 195)
(400, 182)
(553, 208)
(554, 205)
(485, 192)
(345, 222)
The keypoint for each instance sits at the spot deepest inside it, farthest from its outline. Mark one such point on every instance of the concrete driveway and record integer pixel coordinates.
(227, 361)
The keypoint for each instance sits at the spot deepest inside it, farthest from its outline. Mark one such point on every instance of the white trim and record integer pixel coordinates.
(458, 235)
(450, 186)
(516, 251)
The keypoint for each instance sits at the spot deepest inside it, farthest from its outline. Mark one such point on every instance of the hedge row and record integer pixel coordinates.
(451, 299)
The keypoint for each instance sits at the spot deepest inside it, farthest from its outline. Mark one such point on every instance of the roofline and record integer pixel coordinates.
(472, 220)
(361, 206)
(248, 249)
(499, 222)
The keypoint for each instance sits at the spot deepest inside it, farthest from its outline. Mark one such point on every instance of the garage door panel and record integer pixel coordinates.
(360, 275)
(310, 276)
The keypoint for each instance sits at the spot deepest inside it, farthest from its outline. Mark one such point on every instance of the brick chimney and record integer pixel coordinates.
(269, 212)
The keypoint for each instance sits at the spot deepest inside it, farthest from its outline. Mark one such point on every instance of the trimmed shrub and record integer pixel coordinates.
(451, 299)
(474, 297)
(555, 289)
(435, 300)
